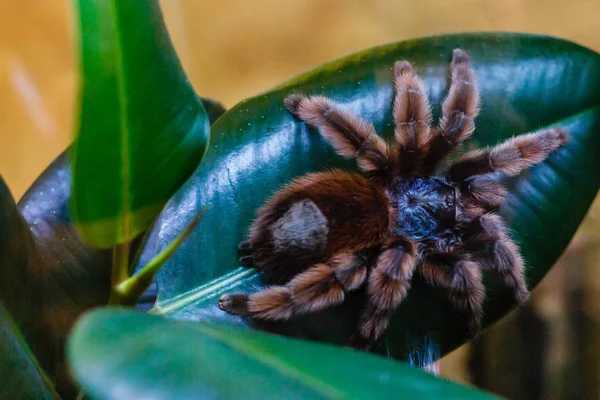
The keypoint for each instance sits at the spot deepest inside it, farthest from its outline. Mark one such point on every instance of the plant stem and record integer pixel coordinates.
(132, 288)
(120, 272)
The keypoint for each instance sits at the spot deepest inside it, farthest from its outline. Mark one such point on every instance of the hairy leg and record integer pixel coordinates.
(347, 133)
(412, 116)
(458, 111)
(389, 283)
(478, 196)
(321, 286)
(488, 241)
(510, 157)
(245, 251)
(462, 279)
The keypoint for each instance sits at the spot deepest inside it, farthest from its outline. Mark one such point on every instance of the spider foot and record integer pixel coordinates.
(247, 261)
(472, 326)
(459, 56)
(359, 342)
(521, 296)
(236, 304)
(245, 247)
(402, 67)
(292, 103)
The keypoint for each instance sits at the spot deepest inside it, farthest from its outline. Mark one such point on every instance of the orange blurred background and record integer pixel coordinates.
(233, 49)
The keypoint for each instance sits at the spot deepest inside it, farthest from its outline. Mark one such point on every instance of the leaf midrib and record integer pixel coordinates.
(123, 121)
(201, 292)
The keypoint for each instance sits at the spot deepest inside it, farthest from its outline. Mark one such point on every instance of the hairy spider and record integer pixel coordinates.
(328, 233)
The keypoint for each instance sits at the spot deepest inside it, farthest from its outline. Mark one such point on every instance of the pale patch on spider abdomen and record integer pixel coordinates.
(302, 226)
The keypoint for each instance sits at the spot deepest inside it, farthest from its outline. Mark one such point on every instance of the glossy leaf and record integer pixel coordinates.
(58, 276)
(21, 310)
(527, 82)
(70, 277)
(142, 130)
(78, 276)
(171, 360)
(21, 283)
(20, 375)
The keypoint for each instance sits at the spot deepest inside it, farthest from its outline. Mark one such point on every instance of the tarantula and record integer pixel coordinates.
(329, 233)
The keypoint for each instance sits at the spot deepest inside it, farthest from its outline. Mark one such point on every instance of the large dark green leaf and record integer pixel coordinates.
(20, 375)
(51, 278)
(142, 130)
(527, 82)
(21, 283)
(21, 309)
(76, 276)
(172, 360)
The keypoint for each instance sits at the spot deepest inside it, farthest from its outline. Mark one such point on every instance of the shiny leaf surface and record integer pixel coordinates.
(22, 334)
(527, 83)
(20, 375)
(70, 276)
(173, 360)
(21, 281)
(55, 261)
(142, 130)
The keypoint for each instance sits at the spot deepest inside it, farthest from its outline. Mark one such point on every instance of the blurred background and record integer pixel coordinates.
(233, 49)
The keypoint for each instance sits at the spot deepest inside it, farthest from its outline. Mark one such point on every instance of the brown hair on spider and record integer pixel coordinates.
(328, 233)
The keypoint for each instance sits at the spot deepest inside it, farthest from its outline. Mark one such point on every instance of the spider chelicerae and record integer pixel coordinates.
(329, 233)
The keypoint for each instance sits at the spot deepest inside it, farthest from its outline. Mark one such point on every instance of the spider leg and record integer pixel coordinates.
(321, 286)
(412, 116)
(459, 110)
(489, 244)
(478, 196)
(246, 251)
(349, 135)
(388, 284)
(511, 157)
(462, 278)
(245, 247)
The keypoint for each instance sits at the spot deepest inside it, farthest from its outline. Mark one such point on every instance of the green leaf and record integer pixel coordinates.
(54, 261)
(22, 328)
(527, 82)
(20, 375)
(61, 276)
(119, 354)
(21, 282)
(142, 130)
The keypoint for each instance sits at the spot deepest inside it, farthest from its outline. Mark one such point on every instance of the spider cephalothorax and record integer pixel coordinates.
(329, 233)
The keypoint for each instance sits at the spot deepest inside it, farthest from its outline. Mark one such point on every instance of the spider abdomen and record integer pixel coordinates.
(424, 208)
(314, 218)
